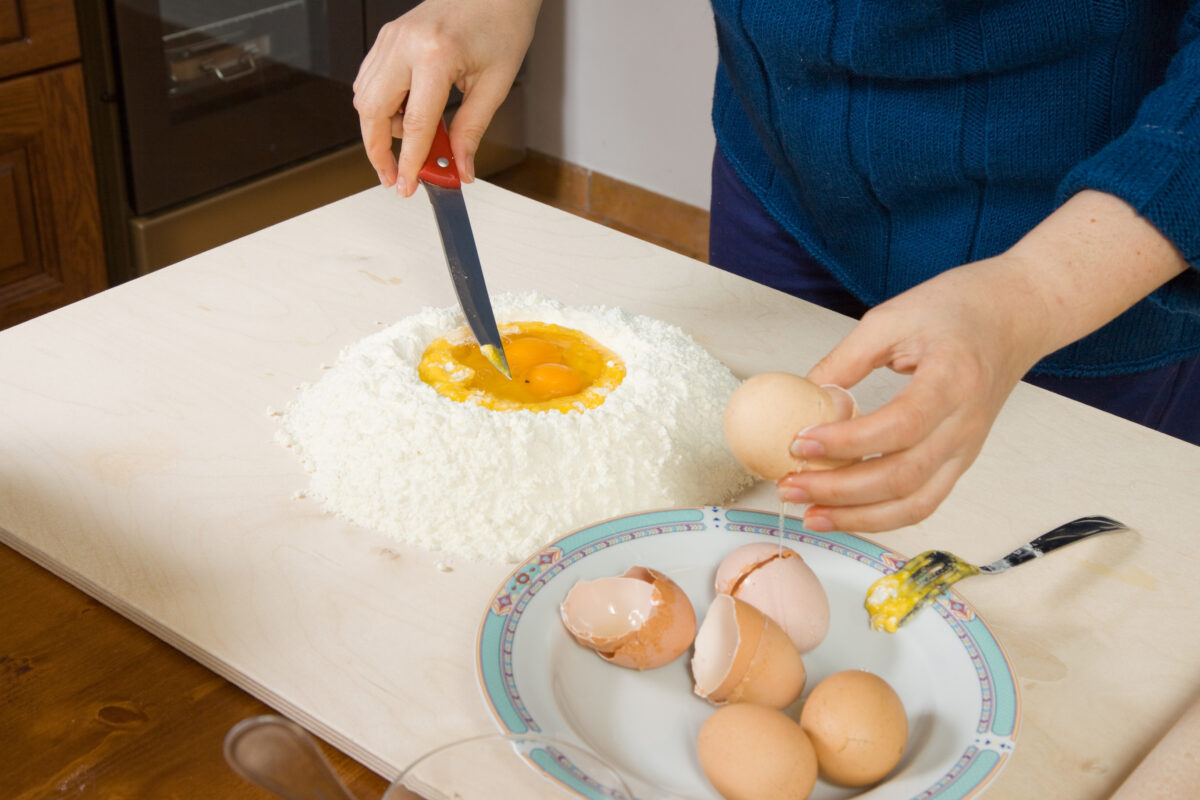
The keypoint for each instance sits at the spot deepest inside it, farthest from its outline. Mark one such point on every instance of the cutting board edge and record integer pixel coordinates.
(130, 612)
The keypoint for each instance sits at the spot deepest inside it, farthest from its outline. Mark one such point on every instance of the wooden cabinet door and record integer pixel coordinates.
(51, 247)
(35, 34)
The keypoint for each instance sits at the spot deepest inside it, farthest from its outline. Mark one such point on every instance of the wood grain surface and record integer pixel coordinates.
(1172, 769)
(137, 461)
(96, 707)
(35, 34)
(52, 252)
(159, 716)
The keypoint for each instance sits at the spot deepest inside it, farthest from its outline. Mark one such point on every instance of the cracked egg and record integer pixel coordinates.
(766, 413)
(743, 656)
(778, 582)
(640, 619)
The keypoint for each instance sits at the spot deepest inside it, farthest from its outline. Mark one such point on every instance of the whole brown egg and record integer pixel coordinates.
(753, 752)
(857, 726)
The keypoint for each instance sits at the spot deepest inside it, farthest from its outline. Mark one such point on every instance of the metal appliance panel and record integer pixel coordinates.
(220, 91)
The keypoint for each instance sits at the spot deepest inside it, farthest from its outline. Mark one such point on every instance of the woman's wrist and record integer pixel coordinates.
(1088, 262)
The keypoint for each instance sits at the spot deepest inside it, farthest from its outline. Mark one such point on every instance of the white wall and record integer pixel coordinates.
(624, 87)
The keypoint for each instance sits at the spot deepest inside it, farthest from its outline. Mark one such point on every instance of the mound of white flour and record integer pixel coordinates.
(386, 451)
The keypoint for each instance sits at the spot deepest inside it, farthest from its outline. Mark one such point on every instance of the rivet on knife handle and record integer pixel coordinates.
(440, 169)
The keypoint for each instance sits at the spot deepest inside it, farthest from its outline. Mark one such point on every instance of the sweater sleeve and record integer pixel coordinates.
(1155, 165)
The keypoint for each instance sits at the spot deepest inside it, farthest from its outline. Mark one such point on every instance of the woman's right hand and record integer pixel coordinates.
(404, 81)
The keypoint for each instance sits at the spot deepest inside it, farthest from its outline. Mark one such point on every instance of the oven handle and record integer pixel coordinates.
(226, 73)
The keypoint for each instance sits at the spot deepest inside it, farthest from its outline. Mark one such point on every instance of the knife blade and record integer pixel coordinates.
(439, 175)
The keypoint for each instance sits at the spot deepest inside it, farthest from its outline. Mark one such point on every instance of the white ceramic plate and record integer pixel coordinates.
(950, 672)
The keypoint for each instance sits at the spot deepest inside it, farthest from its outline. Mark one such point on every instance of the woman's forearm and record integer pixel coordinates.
(967, 336)
(1089, 261)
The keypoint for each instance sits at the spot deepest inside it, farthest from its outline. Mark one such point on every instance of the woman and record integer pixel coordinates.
(994, 191)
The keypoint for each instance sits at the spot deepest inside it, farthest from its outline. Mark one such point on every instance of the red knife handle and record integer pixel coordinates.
(439, 168)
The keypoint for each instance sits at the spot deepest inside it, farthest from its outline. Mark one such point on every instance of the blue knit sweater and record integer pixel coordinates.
(899, 138)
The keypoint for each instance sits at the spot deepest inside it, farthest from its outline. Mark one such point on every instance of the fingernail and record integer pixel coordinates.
(794, 494)
(806, 448)
(382, 180)
(470, 169)
(401, 186)
(818, 524)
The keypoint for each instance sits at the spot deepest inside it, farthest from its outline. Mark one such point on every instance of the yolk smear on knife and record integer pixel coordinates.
(553, 369)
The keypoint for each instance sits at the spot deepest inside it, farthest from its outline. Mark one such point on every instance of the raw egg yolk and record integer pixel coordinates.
(554, 380)
(527, 352)
(553, 368)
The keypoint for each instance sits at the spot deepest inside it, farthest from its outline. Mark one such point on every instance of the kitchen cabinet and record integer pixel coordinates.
(51, 246)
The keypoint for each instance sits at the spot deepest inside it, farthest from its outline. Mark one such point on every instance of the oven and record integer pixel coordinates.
(217, 91)
(213, 118)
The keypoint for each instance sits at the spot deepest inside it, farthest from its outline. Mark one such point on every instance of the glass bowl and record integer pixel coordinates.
(508, 765)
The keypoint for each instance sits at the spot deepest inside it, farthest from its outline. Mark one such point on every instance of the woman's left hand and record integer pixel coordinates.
(966, 337)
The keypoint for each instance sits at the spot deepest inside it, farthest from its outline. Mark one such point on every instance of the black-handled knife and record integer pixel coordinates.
(440, 178)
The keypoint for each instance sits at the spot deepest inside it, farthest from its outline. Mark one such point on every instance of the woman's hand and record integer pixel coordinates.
(404, 81)
(967, 337)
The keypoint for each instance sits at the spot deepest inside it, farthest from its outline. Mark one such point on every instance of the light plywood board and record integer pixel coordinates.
(137, 461)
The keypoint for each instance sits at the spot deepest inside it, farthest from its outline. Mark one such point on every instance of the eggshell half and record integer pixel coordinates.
(641, 619)
(767, 410)
(778, 582)
(742, 656)
(857, 725)
(752, 752)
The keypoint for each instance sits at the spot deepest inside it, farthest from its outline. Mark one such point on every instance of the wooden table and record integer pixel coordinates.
(137, 462)
(94, 706)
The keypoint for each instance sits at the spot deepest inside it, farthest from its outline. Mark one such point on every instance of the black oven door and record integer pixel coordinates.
(216, 92)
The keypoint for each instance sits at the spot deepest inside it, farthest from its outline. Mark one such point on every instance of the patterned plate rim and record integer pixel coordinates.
(1000, 712)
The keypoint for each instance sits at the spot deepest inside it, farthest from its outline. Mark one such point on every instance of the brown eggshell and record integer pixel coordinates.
(653, 624)
(765, 413)
(742, 656)
(752, 752)
(857, 725)
(778, 582)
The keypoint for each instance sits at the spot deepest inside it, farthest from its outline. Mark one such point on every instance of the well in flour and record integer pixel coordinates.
(386, 451)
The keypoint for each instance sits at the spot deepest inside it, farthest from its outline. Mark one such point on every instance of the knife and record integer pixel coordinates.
(440, 177)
